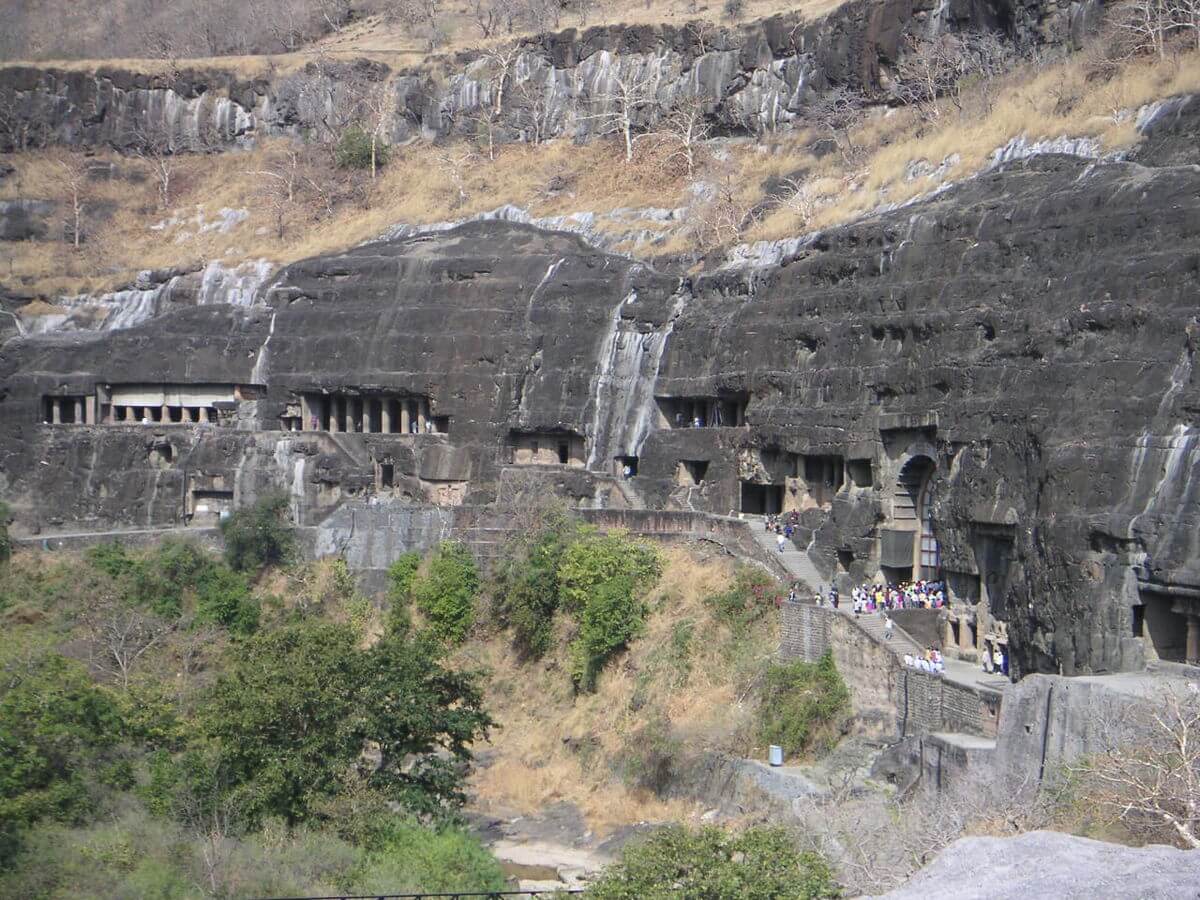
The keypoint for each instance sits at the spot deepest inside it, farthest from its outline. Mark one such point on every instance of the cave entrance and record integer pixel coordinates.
(762, 499)
(1164, 628)
(625, 466)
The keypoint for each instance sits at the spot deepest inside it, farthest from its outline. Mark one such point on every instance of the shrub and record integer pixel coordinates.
(223, 598)
(447, 592)
(528, 588)
(613, 616)
(752, 596)
(409, 857)
(353, 150)
(54, 726)
(401, 575)
(5, 540)
(258, 535)
(648, 759)
(758, 864)
(596, 558)
(734, 9)
(602, 580)
(803, 705)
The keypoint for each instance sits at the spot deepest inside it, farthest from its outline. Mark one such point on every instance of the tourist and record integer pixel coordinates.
(792, 595)
(781, 540)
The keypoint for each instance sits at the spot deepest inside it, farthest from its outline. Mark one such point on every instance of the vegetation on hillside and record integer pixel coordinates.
(849, 155)
(758, 864)
(171, 726)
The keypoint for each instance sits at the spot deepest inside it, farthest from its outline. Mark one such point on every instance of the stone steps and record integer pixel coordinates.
(795, 561)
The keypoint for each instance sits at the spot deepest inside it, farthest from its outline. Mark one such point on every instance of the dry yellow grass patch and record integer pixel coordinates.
(416, 187)
(1060, 100)
(553, 745)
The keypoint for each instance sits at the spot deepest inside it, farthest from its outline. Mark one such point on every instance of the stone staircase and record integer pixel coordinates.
(874, 625)
(797, 562)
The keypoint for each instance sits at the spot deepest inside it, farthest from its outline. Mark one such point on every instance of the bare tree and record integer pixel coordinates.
(1145, 25)
(618, 106)
(153, 145)
(1185, 16)
(456, 165)
(719, 219)
(535, 102)
(277, 188)
(1148, 774)
(73, 179)
(121, 634)
(939, 67)
(378, 103)
(424, 14)
(685, 129)
(836, 111)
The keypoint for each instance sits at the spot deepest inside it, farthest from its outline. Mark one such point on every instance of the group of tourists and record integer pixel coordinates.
(783, 527)
(869, 598)
(930, 661)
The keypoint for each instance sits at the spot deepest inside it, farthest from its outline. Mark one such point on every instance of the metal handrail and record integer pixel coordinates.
(453, 895)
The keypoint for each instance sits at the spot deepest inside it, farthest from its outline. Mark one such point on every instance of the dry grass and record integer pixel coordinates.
(1063, 99)
(553, 745)
(1060, 100)
(415, 188)
(401, 45)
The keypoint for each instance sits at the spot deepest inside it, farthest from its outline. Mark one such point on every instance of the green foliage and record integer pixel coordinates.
(258, 535)
(401, 575)
(410, 858)
(223, 598)
(803, 705)
(527, 586)
(55, 727)
(446, 594)
(596, 558)
(300, 702)
(675, 863)
(753, 595)
(603, 579)
(5, 540)
(648, 759)
(353, 150)
(613, 616)
(156, 580)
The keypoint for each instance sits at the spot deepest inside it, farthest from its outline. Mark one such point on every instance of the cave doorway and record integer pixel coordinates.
(912, 512)
(762, 499)
(1164, 628)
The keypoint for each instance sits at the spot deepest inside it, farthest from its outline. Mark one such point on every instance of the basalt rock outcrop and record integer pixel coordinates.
(996, 382)
(749, 79)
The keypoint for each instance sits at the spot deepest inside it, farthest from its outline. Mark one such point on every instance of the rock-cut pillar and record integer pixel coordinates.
(1193, 640)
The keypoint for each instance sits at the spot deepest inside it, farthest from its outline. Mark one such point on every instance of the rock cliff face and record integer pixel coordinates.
(1010, 362)
(750, 79)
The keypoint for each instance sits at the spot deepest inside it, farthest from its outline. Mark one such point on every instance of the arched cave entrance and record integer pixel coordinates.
(909, 548)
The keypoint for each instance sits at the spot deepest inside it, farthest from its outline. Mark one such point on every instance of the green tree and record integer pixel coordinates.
(596, 558)
(258, 535)
(300, 704)
(5, 540)
(446, 594)
(223, 597)
(357, 150)
(401, 575)
(527, 587)
(803, 705)
(603, 579)
(676, 863)
(55, 726)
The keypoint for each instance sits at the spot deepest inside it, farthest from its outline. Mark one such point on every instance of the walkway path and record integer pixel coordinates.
(795, 561)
